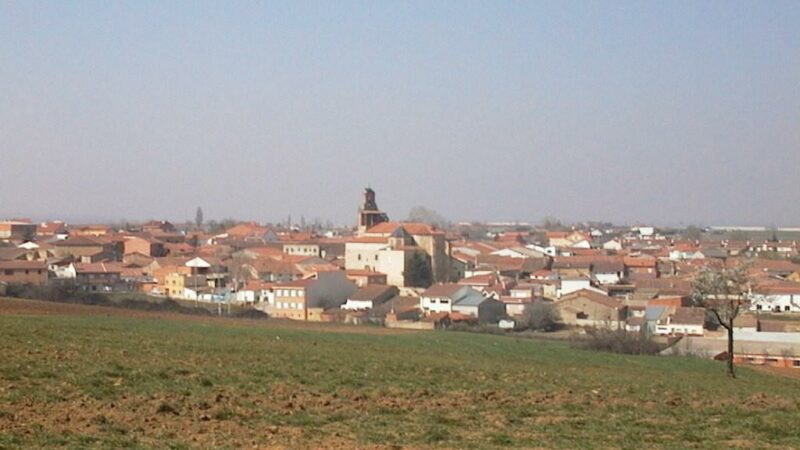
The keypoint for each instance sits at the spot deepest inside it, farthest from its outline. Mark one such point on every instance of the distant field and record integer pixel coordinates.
(89, 377)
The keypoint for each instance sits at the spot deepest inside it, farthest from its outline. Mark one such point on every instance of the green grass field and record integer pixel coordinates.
(110, 381)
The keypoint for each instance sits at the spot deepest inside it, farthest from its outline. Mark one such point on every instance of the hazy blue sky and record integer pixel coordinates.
(625, 111)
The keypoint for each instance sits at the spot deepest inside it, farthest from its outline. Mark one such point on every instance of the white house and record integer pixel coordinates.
(570, 285)
(256, 291)
(646, 231)
(680, 255)
(64, 271)
(519, 252)
(685, 320)
(608, 272)
(442, 297)
(549, 250)
(245, 296)
(370, 296)
(613, 244)
(783, 298)
(583, 243)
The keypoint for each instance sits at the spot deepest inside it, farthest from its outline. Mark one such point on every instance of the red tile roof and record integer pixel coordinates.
(410, 227)
(442, 290)
(100, 267)
(368, 240)
(631, 261)
(20, 264)
(689, 316)
(246, 230)
(363, 273)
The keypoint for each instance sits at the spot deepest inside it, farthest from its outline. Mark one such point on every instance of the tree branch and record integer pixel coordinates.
(719, 319)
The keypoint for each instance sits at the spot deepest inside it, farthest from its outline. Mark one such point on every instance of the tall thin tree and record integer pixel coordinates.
(723, 292)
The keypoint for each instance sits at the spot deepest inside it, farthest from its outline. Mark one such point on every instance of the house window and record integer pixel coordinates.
(359, 256)
(376, 257)
(796, 363)
(786, 308)
(8, 272)
(758, 307)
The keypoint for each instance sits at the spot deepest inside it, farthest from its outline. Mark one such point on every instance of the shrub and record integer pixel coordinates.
(473, 327)
(540, 316)
(62, 292)
(250, 314)
(617, 341)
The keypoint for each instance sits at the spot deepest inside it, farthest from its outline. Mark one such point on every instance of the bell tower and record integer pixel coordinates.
(368, 213)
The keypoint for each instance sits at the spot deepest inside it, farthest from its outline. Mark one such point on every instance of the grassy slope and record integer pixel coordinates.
(120, 382)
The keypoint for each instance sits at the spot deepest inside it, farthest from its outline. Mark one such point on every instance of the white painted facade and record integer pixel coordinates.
(379, 257)
(668, 329)
(646, 231)
(302, 249)
(356, 305)
(607, 278)
(613, 244)
(245, 296)
(583, 243)
(549, 250)
(677, 255)
(437, 304)
(784, 302)
(64, 272)
(570, 285)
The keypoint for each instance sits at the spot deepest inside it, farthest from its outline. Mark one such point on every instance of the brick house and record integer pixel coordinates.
(589, 308)
(17, 229)
(640, 268)
(307, 299)
(143, 245)
(23, 272)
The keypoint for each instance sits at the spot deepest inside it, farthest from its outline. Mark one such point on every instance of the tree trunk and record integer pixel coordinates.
(731, 372)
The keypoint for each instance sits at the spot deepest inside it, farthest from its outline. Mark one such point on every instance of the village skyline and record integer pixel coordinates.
(346, 220)
(680, 113)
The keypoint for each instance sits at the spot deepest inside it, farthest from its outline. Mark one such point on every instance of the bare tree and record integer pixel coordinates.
(198, 217)
(693, 232)
(541, 316)
(241, 271)
(723, 292)
(429, 216)
(550, 223)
